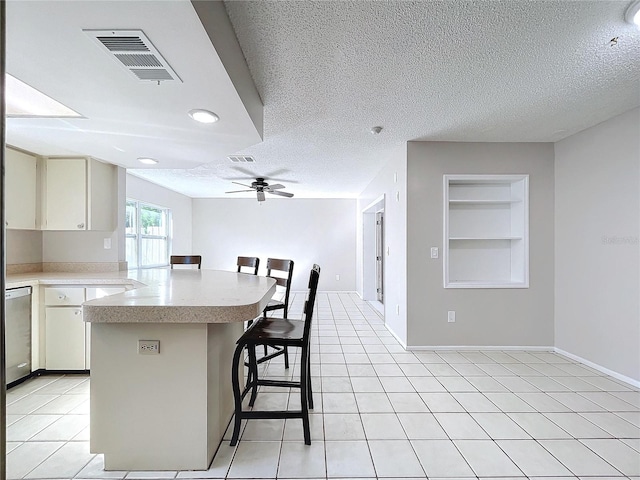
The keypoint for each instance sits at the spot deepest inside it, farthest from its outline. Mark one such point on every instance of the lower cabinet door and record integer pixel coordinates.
(65, 334)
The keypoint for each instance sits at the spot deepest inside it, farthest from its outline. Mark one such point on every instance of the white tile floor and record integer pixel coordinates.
(380, 412)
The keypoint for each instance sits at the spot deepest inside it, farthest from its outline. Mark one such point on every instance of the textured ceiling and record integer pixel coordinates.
(494, 71)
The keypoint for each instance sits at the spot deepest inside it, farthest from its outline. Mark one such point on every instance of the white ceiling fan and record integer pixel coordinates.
(260, 187)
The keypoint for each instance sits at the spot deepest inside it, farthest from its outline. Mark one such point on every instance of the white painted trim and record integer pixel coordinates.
(623, 378)
(402, 344)
(481, 347)
(378, 306)
(372, 204)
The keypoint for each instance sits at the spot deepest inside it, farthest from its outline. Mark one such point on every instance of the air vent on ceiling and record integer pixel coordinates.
(242, 159)
(133, 51)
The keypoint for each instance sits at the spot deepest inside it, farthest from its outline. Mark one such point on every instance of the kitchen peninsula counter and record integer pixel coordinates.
(163, 409)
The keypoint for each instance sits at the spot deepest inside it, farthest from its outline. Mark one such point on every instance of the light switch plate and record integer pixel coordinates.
(434, 252)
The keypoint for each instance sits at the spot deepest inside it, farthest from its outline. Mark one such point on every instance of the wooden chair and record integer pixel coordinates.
(276, 332)
(248, 262)
(281, 270)
(186, 260)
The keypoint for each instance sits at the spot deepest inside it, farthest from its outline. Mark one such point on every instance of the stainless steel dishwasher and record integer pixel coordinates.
(18, 333)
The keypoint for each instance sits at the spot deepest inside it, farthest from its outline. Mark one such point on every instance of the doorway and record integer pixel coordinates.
(373, 248)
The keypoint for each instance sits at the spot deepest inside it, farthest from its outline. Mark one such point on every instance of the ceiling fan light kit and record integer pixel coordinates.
(261, 187)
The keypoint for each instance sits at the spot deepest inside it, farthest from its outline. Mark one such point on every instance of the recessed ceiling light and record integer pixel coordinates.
(203, 116)
(632, 14)
(376, 130)
(24, 101)
(147, 160)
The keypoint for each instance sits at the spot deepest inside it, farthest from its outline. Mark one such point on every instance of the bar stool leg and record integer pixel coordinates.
(237, 396)
(253, 372)
(304, 379)
(310, 392)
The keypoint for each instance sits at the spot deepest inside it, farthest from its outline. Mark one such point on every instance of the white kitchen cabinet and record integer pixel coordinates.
(79, 194)
(68, 337)
(65, 338)
(21, 183)
(486, 231)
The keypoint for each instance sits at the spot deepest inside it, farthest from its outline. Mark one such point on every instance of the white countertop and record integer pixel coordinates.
(135, 278)
(166, 296)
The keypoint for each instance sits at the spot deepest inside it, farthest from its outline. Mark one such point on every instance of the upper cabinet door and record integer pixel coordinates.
(21, 190)
(66, 194)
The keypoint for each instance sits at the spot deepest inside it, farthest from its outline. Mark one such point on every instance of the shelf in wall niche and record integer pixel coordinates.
(481, 284)
(482, 202)
(486, 238)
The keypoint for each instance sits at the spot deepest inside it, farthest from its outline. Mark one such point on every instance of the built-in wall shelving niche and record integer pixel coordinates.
(486, 231)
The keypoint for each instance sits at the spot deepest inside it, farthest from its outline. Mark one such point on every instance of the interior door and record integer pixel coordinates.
(380, 255)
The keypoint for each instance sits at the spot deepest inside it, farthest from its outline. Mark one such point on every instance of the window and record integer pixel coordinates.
(147, 235)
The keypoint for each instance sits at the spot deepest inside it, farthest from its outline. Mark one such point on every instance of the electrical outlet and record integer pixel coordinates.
(338, 277)
(434, 252)
(107, 243)
(451, 316)
(148, 347)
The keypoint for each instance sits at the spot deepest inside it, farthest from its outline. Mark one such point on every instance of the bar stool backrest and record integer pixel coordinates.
(281, 270)
(248, 262)
(186, 260)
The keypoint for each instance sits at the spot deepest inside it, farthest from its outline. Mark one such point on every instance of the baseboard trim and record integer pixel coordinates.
(618, 376)
(480, 347)
(402, 344)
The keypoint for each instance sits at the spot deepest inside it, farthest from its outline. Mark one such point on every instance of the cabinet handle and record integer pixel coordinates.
(77, 312)
(81, 225)
(62, 296)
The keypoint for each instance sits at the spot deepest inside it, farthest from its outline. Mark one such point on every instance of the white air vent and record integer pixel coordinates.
(134, 52)
(241, 159)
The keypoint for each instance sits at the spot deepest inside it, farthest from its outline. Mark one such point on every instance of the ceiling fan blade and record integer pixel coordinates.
(282, 194)
(238, 191)
(245, 171)
(277, 172)
(243, 184)
(260, 196)
(277, 186)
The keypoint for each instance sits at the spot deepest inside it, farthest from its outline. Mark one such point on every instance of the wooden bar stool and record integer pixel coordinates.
(276, 332)
(281, 270)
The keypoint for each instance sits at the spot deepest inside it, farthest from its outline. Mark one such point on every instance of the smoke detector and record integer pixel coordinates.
(133, 51)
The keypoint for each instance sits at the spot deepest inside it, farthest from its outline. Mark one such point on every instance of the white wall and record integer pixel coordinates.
(307, 231)
(180, 205)
(484, 317)
(395, 262)
(597, 218)
(24, 246)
